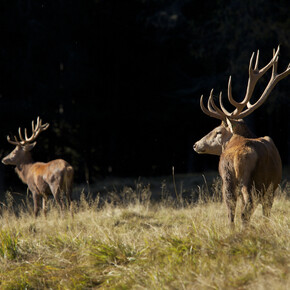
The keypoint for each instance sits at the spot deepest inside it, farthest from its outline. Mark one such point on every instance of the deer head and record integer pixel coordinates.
(215, 141)
(24, 145)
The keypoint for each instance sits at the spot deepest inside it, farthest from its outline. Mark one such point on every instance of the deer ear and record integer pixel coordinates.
(29, 147)
(230, 125)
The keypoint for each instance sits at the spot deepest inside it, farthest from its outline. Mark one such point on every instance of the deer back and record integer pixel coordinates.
(256, 159)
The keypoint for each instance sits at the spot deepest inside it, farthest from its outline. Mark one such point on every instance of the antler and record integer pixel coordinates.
(212, 110)
(254, 75)
(35, 132)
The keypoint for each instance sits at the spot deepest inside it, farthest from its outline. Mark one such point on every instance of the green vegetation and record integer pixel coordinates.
(136, 243)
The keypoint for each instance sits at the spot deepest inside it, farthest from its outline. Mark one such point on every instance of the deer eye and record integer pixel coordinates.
(218, 133)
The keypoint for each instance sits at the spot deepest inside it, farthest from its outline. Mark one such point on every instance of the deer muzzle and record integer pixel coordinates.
(198, 149)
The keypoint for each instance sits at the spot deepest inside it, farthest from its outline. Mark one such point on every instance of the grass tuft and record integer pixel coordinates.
(9, 246)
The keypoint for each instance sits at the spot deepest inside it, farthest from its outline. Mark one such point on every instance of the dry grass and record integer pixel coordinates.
(134, 243)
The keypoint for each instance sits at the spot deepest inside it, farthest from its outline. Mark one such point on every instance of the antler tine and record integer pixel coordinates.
(32, 126)
(210, 111)
(257, 60)
(16, 142)
(20, 135)
(251, 81)
(203, 107)
(210, 102)
(25, 133)
(10, 141)
(215, 107)
(250, 87)
(230, 96)
(45, 126)
(225, 111)
(275, 64)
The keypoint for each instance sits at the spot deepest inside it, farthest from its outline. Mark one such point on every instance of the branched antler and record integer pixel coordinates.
(36, 130)
(254, 75)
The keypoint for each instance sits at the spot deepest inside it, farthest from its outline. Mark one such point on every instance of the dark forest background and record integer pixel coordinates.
(120, 81)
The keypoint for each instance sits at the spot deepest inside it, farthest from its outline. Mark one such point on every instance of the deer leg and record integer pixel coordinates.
(230, 199)
(66, 189)
(267, 201)
(67, 185)
(36, 200)
(67, 192)
(44, 206)
(55, 189)
(248, 204)
(70, 202)
(57, 196)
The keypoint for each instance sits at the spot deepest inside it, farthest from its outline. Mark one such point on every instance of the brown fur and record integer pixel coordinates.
(255, 165)
(43, 179)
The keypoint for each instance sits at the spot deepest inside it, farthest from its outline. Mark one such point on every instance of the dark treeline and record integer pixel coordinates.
(120, 81)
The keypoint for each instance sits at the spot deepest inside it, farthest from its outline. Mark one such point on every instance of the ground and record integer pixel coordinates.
(131, 241)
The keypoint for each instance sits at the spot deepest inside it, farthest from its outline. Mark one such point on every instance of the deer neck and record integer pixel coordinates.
(225, 144)
(240, 128)
(22, 169)
(234, 141)
(240, 131)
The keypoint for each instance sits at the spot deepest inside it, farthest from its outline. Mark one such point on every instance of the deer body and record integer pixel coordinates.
(258, 159)
(43, 179)
(249, 166)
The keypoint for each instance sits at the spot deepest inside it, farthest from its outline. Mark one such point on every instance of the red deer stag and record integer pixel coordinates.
(248, 163)
(43, 179)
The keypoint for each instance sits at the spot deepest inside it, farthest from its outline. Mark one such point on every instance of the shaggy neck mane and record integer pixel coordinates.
(240, 128)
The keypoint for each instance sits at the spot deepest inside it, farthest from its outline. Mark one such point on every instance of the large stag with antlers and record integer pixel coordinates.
(43, 179)
(248, 165)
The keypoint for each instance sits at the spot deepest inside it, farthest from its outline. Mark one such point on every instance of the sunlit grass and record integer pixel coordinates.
(131, 242)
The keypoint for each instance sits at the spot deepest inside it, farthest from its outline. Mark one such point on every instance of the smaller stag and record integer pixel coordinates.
(43, 179)
(248, 165)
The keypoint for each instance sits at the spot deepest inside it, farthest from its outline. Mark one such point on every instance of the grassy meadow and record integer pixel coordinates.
(128, 240)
